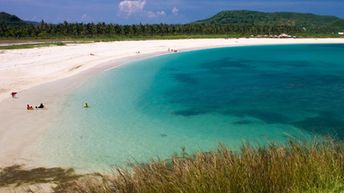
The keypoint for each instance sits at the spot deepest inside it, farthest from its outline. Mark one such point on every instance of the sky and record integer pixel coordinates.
(155, 11)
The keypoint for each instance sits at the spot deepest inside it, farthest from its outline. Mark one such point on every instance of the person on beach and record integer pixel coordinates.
(14, 94)
(29, 107)
(86, 106)
(41, 106)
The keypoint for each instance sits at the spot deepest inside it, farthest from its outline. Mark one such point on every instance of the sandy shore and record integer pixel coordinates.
(50, 74)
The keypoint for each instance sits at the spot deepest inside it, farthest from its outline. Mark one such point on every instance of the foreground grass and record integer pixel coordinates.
(293, 168)
(296, 167)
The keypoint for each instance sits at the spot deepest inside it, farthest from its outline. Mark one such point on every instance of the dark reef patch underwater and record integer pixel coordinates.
(298, 85)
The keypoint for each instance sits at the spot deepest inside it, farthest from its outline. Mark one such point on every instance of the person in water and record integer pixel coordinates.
(86, 106)
(41, 106)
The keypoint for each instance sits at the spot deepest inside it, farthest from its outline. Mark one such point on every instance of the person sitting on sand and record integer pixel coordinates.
(28, 107)
(86, 106)
(41, 106)
(13, 94)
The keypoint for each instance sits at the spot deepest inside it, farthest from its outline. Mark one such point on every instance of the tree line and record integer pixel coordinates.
(45, 30)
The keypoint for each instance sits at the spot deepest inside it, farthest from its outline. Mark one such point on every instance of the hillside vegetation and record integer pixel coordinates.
(8, 19)
(305, 21)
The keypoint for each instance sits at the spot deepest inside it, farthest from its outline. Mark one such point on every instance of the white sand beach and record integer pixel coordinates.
(49, 74)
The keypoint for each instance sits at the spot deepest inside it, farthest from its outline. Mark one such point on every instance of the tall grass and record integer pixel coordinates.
(296, 167)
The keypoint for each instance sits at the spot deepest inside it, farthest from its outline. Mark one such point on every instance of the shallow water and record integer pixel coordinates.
(199, 99)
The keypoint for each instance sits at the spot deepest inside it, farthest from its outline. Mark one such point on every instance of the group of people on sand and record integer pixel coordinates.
(172, 50)
(40, 106)
(30, 108)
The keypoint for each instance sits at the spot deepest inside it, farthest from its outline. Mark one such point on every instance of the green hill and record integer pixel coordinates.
(9, 19)
(306, 21)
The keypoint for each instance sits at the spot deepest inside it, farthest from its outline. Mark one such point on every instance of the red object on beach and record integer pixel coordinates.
(13, 94)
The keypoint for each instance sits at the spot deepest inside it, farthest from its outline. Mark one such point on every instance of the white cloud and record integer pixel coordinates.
(152, 14)
(161, 13)
(129, 7)
(175, 11)
(137, 8)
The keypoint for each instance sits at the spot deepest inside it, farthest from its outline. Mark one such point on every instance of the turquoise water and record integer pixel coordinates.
(197, 100)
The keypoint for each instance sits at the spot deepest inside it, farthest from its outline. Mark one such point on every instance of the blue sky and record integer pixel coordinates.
(155, 11)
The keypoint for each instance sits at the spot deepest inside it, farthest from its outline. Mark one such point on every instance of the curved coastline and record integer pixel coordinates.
(26, 68)
(20, 130)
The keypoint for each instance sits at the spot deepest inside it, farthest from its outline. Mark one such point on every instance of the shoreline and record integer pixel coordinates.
(21, 69)
(50, 75)
(21, 133)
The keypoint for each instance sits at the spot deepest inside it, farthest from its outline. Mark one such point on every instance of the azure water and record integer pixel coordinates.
(199, 99)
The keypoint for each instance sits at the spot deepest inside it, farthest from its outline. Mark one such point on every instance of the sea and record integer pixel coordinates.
(199, 100)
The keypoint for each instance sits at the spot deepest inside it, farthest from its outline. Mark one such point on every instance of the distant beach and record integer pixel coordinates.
(49, 74)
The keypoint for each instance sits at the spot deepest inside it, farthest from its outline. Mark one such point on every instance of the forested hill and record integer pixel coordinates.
(255, 18)
(9, 19)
